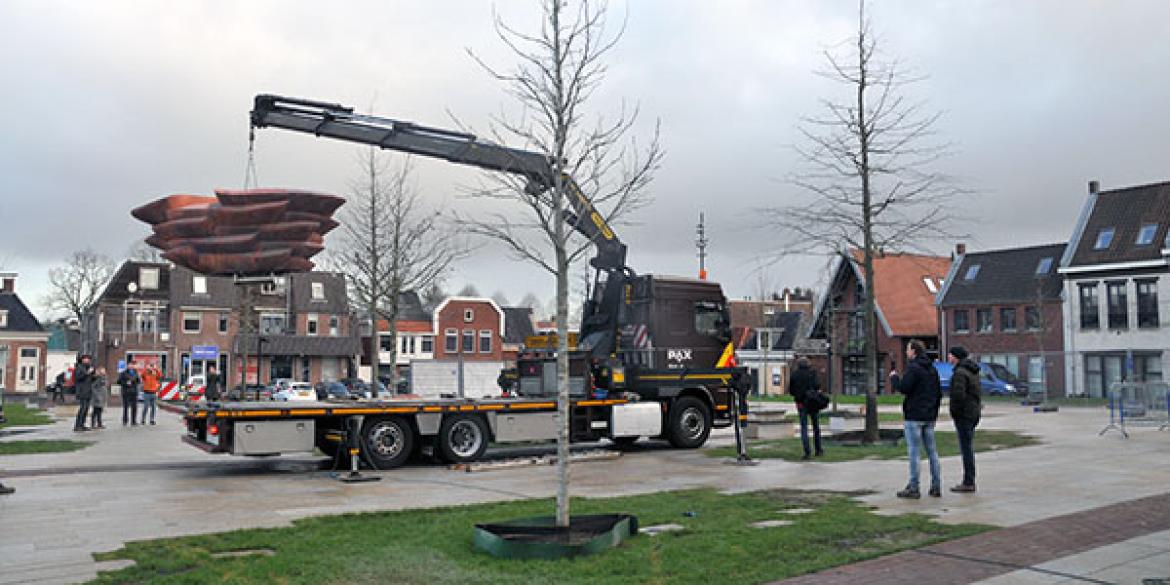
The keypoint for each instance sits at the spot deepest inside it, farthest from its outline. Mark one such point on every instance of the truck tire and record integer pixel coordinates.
(463, 438)
(690, 423)
(387, 442)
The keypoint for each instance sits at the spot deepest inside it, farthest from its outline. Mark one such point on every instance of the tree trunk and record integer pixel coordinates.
(863, 134)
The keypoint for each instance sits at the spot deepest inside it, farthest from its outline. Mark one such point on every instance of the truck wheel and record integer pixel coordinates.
(387, 442)
(690, 423)
(462, 438)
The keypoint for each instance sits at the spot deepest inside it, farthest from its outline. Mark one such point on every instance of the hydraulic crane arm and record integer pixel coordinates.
(340, 122)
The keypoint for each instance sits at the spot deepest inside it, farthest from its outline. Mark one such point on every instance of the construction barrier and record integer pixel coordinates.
(1138, 404)
(169, 390)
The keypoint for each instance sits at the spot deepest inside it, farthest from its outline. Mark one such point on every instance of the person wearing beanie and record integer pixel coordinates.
(966, 406)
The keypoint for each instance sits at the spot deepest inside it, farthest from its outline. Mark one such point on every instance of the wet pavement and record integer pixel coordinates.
(139, 483)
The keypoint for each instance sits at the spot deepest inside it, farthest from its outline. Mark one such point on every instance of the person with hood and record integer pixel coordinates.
(101, 396)
(966, 405)
(83, 375)
(920, 407)
(128, 380)
(801, 385)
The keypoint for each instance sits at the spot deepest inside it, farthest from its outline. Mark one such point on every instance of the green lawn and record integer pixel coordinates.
(21, 415)
(883, 399)
(41, 446)
(947, 441)
(435, 545)
(824, 415)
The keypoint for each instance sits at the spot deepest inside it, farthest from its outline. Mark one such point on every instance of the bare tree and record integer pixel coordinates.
(143, 252)
(558, 70)
(500, 298)
(469, 290)
(389, 245)
(867, 174)
(76, 285)
(531, 301)
(432, 295)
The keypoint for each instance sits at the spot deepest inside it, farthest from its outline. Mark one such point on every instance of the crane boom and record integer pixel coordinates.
(340, 122)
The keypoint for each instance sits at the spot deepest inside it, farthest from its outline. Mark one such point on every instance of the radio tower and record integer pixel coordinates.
(701, 242)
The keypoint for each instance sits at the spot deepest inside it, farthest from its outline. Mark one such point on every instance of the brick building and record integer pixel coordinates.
(1004, 306)
(906, 287)
(23, 342)
(471, 327)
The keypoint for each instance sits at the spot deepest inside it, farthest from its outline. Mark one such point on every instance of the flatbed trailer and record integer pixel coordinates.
(387, 433)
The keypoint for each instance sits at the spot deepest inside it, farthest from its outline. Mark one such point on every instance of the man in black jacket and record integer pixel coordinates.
(83, 376)
(211, 391)
(801, 385)
(920, 411)
(966, 405)
(129, 382)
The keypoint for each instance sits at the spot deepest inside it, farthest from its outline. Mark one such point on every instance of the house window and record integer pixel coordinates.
(318, 291)
(1147, 303)
(1036, 378)
(384, 342)
(1090, 317)
(272, 324)
(451, 340)
(1044, 266)
(1147, 367)
(334, 326)
(428, 344)
(1102, 371)
(485, 341)
(972, 272)
(983, 320)
(270, 288)
(199, 285)
(144, 321)
(223, 322)
(28, 352)
(1032, 318)
(402, 344)
(148, 278)
(468, 341)
(1104, 238)
(311, 324)
(1007, 319)
(191, 322)
(412, 345)
(468, 315)
(3, 318)
(930, 285)
(1146, 234)
(1117, 305)
(962, 321)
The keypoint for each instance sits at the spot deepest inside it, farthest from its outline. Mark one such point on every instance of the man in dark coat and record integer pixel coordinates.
(801, 385)
(83, 375)
(966, 406)
(920, 411)
(129, 381)
(212, 391)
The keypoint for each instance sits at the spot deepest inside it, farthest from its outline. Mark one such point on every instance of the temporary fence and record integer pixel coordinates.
(1138, 404)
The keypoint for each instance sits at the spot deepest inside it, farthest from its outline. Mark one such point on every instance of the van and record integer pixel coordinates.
(990, 383)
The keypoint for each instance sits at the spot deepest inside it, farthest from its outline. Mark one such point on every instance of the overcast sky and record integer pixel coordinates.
(111, 104)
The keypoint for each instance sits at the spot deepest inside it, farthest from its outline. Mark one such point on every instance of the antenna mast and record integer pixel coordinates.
(701, 242)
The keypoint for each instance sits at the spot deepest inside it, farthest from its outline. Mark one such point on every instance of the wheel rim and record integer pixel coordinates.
(464, 438)
(386, 440)
(692, 423)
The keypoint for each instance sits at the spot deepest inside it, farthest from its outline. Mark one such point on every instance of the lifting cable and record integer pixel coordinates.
(250, 168)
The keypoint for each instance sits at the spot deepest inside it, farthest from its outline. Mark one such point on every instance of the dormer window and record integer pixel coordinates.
(972, 272)
(1146, 234)
(468, 315)
(1104, 238)
(930, 285)
(318, 291)
(1045, 266)
(199, 285)
(3, 322)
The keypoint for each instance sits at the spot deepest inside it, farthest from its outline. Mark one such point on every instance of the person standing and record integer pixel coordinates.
(150, 382)
(129, 381)
(966, 406)
(920, 412)
(212, 393)
(59, 389)
(101, 396)
(83, 375)
(802, 385)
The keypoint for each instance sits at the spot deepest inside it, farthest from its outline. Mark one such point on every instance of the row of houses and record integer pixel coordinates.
(1068, 318)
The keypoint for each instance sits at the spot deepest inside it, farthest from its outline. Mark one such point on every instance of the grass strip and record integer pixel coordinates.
(790, 449)
(19, 415)
(41, 446)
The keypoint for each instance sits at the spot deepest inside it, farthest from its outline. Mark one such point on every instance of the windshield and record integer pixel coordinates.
(711, 319)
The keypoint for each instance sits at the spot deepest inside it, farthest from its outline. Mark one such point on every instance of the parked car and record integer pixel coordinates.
(1004, 374)
(333, 390)
(296, 392)
(990, 384)
(251, 392)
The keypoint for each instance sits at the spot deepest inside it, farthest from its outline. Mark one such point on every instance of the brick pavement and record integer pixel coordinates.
(1003, 551)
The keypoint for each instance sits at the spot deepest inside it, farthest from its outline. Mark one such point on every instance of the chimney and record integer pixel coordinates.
(1094, 187)
(960, 249)
(7, 282)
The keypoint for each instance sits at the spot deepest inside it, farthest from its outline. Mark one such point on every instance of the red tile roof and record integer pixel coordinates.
(405, 326)
(902, 297)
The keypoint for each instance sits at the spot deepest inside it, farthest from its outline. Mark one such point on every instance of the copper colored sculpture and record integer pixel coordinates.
(241, 232)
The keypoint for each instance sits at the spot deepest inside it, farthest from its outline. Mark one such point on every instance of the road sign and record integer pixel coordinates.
(205, 352)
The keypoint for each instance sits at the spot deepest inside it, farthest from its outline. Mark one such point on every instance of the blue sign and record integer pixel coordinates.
(121, 365)
(205, 352)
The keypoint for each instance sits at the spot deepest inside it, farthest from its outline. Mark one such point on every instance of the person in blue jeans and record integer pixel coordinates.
(802, 385)
(923, 393)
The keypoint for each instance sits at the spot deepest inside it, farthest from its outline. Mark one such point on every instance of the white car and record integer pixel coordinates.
(296, 392)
